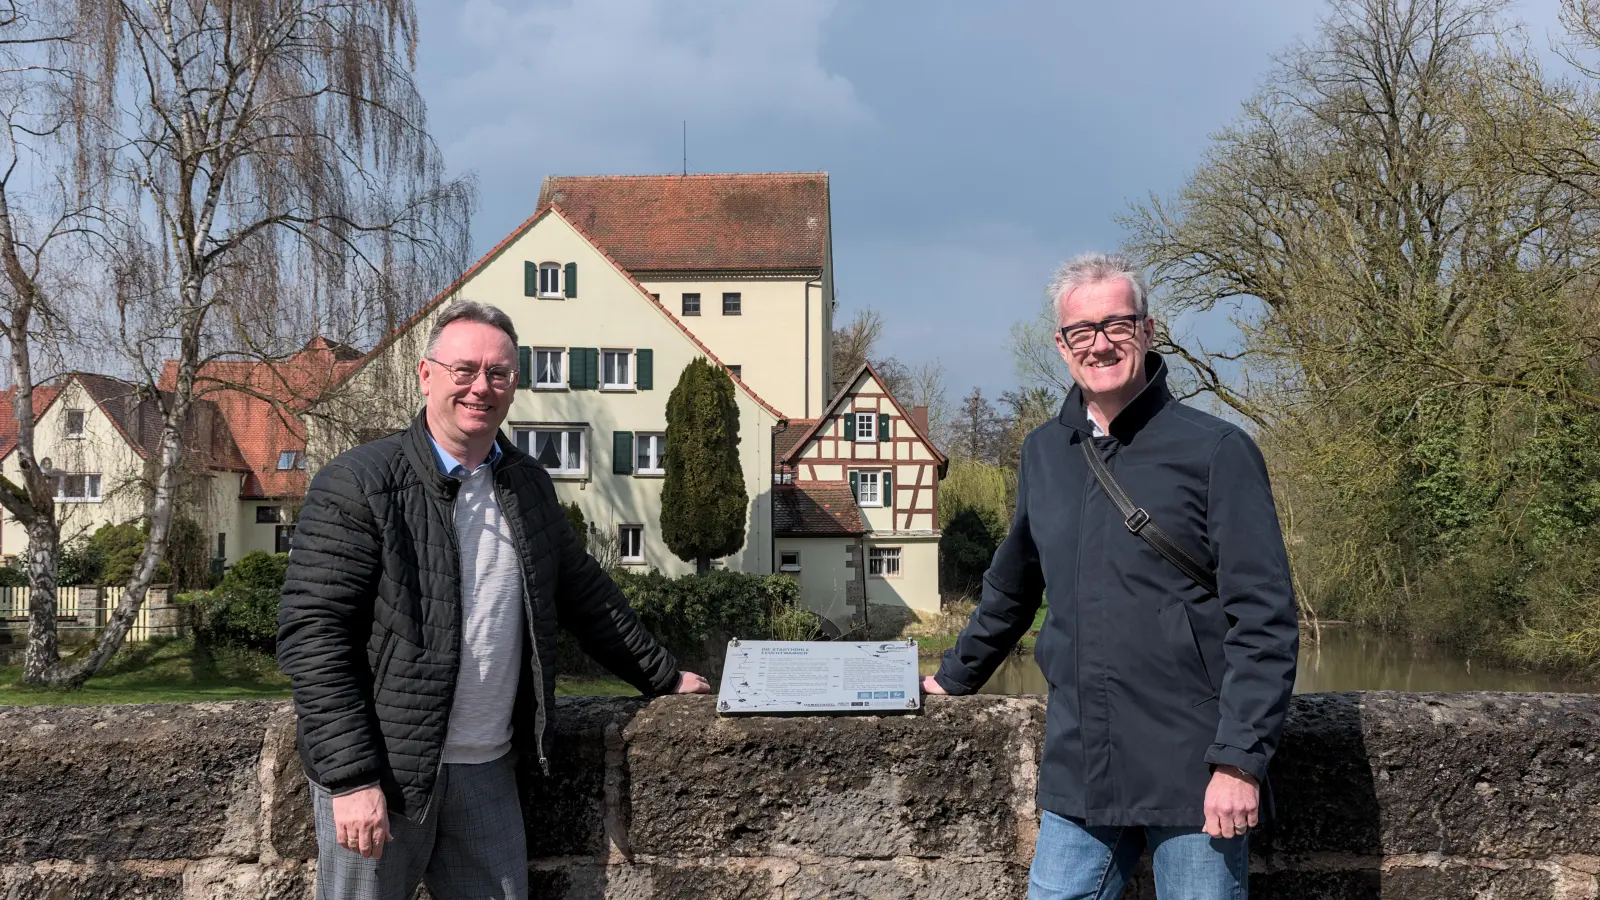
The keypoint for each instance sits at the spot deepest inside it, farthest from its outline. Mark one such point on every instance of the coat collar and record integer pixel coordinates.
(419, 450)
(1134, 416)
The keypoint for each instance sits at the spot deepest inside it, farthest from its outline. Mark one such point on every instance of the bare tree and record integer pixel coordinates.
(273, 178)
(854, 343)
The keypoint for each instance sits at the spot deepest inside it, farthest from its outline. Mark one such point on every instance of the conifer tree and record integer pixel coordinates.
(703, 499)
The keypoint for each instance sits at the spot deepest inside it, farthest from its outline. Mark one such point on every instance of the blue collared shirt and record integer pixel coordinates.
(453, 467)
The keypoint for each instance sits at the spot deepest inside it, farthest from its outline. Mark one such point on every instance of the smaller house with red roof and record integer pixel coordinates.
(244, 447)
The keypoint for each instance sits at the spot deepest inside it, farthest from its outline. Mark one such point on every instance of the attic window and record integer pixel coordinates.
(75, 423)
(291, 459)
(549, 279)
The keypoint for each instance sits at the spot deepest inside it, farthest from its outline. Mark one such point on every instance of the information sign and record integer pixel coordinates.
(765, 677)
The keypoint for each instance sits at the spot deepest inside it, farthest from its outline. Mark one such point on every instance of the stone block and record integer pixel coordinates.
(1445, 880)
(215, 879)
(942, 783)
(1464, 775)
(577, 880)
(566, 813)
(130, 782)
(64, 881)
(923, 879)
(291, 823)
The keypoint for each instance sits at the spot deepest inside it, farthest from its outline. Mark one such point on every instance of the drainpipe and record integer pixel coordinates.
(772, 507)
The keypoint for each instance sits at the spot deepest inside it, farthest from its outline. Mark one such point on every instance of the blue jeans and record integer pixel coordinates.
(1076, 862)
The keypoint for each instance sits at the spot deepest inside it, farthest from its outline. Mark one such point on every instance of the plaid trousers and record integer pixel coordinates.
(471, 846)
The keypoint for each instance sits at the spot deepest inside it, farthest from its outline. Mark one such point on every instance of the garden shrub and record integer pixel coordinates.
(243, 610)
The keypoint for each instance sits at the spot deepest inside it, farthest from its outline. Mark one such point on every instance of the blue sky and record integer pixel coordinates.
(972, 146)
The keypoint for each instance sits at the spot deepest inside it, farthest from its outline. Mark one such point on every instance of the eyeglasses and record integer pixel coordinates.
(1116, 329)
(499, 377)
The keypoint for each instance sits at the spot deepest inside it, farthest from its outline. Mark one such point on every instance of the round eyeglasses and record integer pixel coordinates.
(499, 377)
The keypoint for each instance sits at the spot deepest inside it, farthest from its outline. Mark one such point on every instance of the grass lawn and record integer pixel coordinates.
(170, 671)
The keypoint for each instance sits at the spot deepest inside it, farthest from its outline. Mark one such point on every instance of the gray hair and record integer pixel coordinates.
(470, 311)
(1092, 268)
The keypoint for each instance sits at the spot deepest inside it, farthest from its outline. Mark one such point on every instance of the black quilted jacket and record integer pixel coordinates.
(369, 629)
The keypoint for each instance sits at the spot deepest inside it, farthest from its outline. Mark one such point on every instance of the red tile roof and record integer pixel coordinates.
(813, 508)
(731, 222)
(259, 402)
(784, 439)
(43, 396)
(806, 433)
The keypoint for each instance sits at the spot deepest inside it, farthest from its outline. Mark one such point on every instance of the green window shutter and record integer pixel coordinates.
(594, 368)
(575, 367)
(887, 497)
(524, 367)
(530, 279)
(572, 279)
(850, 435)
(855, 486)
(585, 368)
(883, 426)
(644, 365)
(622, 452)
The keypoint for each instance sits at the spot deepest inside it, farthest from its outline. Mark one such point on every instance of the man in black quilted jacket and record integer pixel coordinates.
(427, 577)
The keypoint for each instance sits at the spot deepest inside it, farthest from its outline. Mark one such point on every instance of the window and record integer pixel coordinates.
(789, 561)
(549, 279)
(281, 536)
(547, 369)
(616, 369)
(691, 304)
(730, 304)
(267, 515)
(559, 450)
(866, 427)
(884, 562)
(650, 454)
(737, 372)
(74, 423)
(867, 493)
(78, 488)
(291, 459)
(630, 541)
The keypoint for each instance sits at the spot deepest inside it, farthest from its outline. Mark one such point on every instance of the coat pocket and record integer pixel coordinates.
(1196, 683)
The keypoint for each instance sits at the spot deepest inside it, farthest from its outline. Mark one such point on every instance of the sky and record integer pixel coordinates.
(972, 147)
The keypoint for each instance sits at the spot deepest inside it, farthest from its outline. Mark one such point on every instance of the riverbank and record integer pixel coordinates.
(936, 635)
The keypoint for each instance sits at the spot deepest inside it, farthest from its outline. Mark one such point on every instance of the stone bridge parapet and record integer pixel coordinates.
(1379, 795)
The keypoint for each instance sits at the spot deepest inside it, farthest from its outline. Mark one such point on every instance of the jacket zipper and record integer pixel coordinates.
(450, 696)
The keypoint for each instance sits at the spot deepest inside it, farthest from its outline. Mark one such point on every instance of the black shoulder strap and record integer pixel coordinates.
(1138, 522)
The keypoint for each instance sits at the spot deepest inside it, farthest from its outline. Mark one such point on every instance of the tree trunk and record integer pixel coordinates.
(44, 647)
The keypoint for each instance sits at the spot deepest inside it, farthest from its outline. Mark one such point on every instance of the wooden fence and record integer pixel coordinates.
(91, 607)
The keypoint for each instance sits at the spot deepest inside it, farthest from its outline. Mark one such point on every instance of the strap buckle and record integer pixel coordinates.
(1137, 520)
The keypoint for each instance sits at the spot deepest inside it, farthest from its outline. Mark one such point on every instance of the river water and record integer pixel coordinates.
(1349, 659)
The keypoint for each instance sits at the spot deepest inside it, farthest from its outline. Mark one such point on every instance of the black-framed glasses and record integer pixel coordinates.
(499, 377)
(1116, 329)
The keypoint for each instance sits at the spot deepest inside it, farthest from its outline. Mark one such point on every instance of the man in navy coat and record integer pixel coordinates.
(1166, 698)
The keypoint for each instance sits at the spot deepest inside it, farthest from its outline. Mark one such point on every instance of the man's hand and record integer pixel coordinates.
(930, 685)
(361, 820)
(1233, 801)
(690, 683)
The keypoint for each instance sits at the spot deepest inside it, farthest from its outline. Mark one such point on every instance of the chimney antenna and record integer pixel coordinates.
(686, 147)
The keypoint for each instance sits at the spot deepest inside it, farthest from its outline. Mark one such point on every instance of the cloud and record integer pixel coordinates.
(602, 85)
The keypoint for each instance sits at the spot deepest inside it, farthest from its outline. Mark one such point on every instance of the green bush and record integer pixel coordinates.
(694, 616)
(966, 548)
(109, 555)
(243, 610)
(14, 575)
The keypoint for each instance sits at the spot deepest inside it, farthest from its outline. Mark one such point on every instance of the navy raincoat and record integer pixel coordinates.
(1153, 679)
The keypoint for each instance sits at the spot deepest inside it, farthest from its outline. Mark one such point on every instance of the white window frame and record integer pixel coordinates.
(553, 290)
(877, 488)
(83, 424)
(884, 562)
(627, 356)
(525, 437)
(637, 558)
(871, 420)
(560, 382)
(657, 441)
(784, 565)
(296, 460)
(91, 487)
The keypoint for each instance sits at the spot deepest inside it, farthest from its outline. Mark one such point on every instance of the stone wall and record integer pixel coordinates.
(1380, 795)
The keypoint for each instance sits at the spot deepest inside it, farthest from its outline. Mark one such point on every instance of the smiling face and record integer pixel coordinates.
(462, 415)
(1106, 371)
